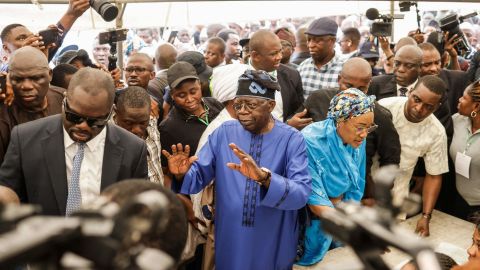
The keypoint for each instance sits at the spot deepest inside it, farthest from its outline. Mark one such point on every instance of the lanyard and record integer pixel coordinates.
(206, 122)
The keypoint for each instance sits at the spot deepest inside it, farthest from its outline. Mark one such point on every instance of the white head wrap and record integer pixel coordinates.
(224, 82)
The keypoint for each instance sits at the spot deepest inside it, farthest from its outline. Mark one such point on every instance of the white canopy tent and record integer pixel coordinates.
(148, 13)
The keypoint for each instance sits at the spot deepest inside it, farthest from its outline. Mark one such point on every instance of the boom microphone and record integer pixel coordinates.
(372, 14)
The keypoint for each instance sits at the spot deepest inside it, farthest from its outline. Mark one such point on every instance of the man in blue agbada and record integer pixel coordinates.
(336, 161)
(260, 167)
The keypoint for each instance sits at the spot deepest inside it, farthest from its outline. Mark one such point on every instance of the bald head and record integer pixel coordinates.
(407, 64)
(411, 51)
(260, 38)
(357, 73)
(94, 82)
(356, 67)
(143, 57)
(403, 42)
(165, 56)
(28, 57)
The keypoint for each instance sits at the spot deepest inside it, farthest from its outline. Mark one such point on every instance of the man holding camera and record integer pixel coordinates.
(15, 36)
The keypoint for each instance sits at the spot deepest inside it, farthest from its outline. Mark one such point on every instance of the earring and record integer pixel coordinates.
(473, 114)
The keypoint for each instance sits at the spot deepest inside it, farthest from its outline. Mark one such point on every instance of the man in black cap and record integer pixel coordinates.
(321, 70)
(369, 51)
(252, 177)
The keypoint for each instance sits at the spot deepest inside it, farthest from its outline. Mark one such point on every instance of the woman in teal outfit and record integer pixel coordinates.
(336, 161)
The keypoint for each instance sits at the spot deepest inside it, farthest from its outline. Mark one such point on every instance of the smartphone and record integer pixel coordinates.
(112, 36)
(3, 84)
(49, 36)
(173, 35)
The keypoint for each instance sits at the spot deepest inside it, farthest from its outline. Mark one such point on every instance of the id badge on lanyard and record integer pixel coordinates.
(462, 164)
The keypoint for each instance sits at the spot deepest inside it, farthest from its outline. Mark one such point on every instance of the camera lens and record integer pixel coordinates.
(103, 7)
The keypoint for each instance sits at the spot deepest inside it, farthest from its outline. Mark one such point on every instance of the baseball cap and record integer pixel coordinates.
(368, 50)
(180, 72)
(197, 60)
(322, 27)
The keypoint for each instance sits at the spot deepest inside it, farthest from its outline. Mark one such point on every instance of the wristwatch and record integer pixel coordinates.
(427, 216)
(265, 180)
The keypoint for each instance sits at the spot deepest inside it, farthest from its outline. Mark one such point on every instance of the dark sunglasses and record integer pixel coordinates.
(78, 119)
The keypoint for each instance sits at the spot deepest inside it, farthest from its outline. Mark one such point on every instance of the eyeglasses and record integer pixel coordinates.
(361, 130)
(136, 69)
(249, 106)
(78, 119)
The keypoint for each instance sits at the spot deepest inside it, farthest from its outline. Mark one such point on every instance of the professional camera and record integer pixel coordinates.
(105, 9)
(383, 26)
(107, 238)
(451, 24)
(111, 38)
(370, 231)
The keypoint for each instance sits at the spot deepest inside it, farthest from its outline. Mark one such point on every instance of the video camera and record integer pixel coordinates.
(451, 24)
(369, 231)
(111, 38)
(382, 27)
(108, 238)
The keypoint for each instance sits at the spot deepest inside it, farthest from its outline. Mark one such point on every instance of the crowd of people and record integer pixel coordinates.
(253, 131)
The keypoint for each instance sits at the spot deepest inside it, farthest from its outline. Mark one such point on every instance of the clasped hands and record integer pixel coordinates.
(180, 161)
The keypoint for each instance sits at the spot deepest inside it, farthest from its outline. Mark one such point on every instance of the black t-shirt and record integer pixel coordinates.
(180, 127)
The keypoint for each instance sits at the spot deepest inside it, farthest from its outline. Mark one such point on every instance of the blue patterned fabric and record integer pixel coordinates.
(74, 198)
(350, 103)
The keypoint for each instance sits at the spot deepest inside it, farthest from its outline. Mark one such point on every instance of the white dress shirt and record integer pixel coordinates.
(91, 169)
(409, 88)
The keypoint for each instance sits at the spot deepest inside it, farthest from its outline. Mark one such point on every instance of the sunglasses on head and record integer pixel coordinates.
(78, 119)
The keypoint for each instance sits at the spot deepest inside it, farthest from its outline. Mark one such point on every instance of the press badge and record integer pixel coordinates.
(462, 164)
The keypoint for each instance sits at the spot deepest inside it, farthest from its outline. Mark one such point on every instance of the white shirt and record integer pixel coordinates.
(409, 88)
(91, 168)
(426, 139)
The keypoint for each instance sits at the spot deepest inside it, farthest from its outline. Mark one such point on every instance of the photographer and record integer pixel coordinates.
(81, 59)
(15, 36)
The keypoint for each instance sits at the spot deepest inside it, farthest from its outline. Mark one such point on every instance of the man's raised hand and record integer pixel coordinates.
(179, 161)
(248, 167)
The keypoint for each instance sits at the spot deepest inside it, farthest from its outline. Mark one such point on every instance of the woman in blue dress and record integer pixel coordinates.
(336, 161)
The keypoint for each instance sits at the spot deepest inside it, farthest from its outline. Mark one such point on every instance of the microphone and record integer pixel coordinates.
(372, 14)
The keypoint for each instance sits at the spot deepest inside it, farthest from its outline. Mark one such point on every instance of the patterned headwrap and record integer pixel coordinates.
(350, 103)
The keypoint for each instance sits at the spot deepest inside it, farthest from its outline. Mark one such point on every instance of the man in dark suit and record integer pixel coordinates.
(456, 80)
(63, 161)
(406, 71)
(266, 54)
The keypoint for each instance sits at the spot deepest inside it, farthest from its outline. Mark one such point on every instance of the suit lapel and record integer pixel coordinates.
(54, 154)
(112, 158)
(389, 89)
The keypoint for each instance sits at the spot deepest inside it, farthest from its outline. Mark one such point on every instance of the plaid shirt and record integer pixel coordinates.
(314, 79)
(154, 149)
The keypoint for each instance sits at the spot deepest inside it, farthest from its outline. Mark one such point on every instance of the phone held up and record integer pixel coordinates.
(49, 36)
